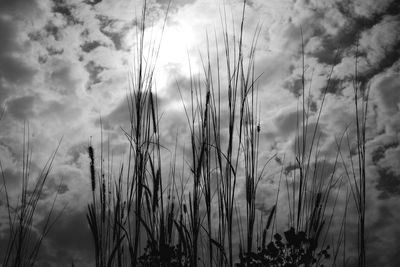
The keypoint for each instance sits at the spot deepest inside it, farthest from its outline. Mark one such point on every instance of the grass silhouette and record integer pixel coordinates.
(23, 241)
(193, 223)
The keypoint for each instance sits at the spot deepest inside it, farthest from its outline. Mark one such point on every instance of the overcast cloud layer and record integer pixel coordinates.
(63, 64)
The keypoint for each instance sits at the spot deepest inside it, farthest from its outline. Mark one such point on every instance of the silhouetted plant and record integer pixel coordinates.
(23, 243)
(295, 249)
(167, 255)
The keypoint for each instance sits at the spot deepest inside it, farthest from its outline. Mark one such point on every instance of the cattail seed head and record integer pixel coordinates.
(92, 172)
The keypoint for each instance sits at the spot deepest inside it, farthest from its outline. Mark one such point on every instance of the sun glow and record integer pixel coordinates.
(176, 56)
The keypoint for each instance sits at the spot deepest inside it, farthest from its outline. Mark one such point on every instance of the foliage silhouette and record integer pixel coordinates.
(297, 249)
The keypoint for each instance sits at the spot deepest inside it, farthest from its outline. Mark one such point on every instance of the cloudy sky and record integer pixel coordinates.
(65, 63)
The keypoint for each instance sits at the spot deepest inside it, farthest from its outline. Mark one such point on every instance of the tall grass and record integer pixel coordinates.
(310, 198)
(137, 219)
(23, 240)
(356, 172)
(361, 122)
(215, 158)
(123, 207)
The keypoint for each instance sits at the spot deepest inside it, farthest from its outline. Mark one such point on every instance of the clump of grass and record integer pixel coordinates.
(309, 198)
(356, 172)
(361, 122)
(213, 158)
(23, 243)
(106, 216)
(133, 212)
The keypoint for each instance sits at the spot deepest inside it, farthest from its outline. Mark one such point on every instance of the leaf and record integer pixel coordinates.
(278, 237)
(290, 236)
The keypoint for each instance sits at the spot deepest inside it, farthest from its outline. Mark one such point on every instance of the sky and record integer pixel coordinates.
(65, 63)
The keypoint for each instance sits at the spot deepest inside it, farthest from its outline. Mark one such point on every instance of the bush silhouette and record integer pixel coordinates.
(296, 249)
